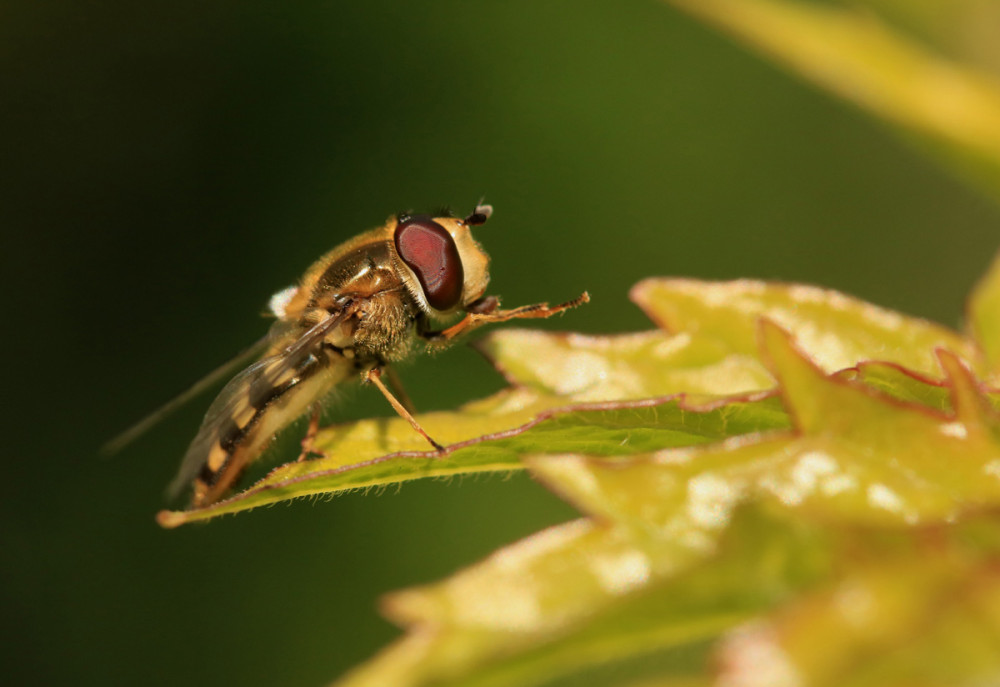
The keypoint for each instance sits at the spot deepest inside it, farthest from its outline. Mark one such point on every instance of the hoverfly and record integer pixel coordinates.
(357, 310)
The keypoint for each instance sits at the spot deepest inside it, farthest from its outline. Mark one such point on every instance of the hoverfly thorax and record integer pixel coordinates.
(443, 266)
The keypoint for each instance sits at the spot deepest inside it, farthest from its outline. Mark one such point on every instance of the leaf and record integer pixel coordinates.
(984, 317)
(845, 458)
(883, 620)
(952, 105)
(900, 383)
(835, 330)
(579, 593)
(640, 365)
(378, 452)
(568, 601)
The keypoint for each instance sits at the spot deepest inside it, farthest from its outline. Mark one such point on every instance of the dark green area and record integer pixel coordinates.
(166, 167)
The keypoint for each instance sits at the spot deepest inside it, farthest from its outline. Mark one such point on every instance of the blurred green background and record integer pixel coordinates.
(167, 167)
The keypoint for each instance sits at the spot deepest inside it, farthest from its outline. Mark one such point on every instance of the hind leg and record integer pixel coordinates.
(309, 440)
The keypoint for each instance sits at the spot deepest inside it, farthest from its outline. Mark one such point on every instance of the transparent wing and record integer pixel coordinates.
(296, 362)
(223, 407)
(208, 381)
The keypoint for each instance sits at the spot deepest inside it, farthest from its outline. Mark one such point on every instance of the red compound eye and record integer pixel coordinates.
(428, 249)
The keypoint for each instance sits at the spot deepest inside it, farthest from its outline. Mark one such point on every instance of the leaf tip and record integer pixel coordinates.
(776, 345)
(643, 295)
(983, 324)
(170, 519)
(966, 398)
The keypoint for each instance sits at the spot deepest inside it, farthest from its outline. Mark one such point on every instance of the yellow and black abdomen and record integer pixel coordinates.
(257, 404)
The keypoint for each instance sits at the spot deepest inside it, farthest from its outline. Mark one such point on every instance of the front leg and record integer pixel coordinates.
(486, 310)
(485, 305)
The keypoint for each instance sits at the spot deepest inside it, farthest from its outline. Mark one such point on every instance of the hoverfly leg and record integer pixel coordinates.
(396, 384)
(485, 311)
(535, 311)
(374, 376)
(309, 440)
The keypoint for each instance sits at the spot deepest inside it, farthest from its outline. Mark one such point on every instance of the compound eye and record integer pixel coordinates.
(429, 250)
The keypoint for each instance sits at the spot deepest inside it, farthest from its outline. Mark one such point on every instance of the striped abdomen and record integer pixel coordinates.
(250, 410)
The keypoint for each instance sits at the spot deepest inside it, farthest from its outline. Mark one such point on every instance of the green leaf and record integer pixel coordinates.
(900, 383)
(951, 103)
(835, 330)
(851, 441)
(641, 365)
(491, 435)
(984, 318)
(581, 593)
(911, 609)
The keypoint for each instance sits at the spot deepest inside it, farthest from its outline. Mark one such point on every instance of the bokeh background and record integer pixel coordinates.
(166, 167)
